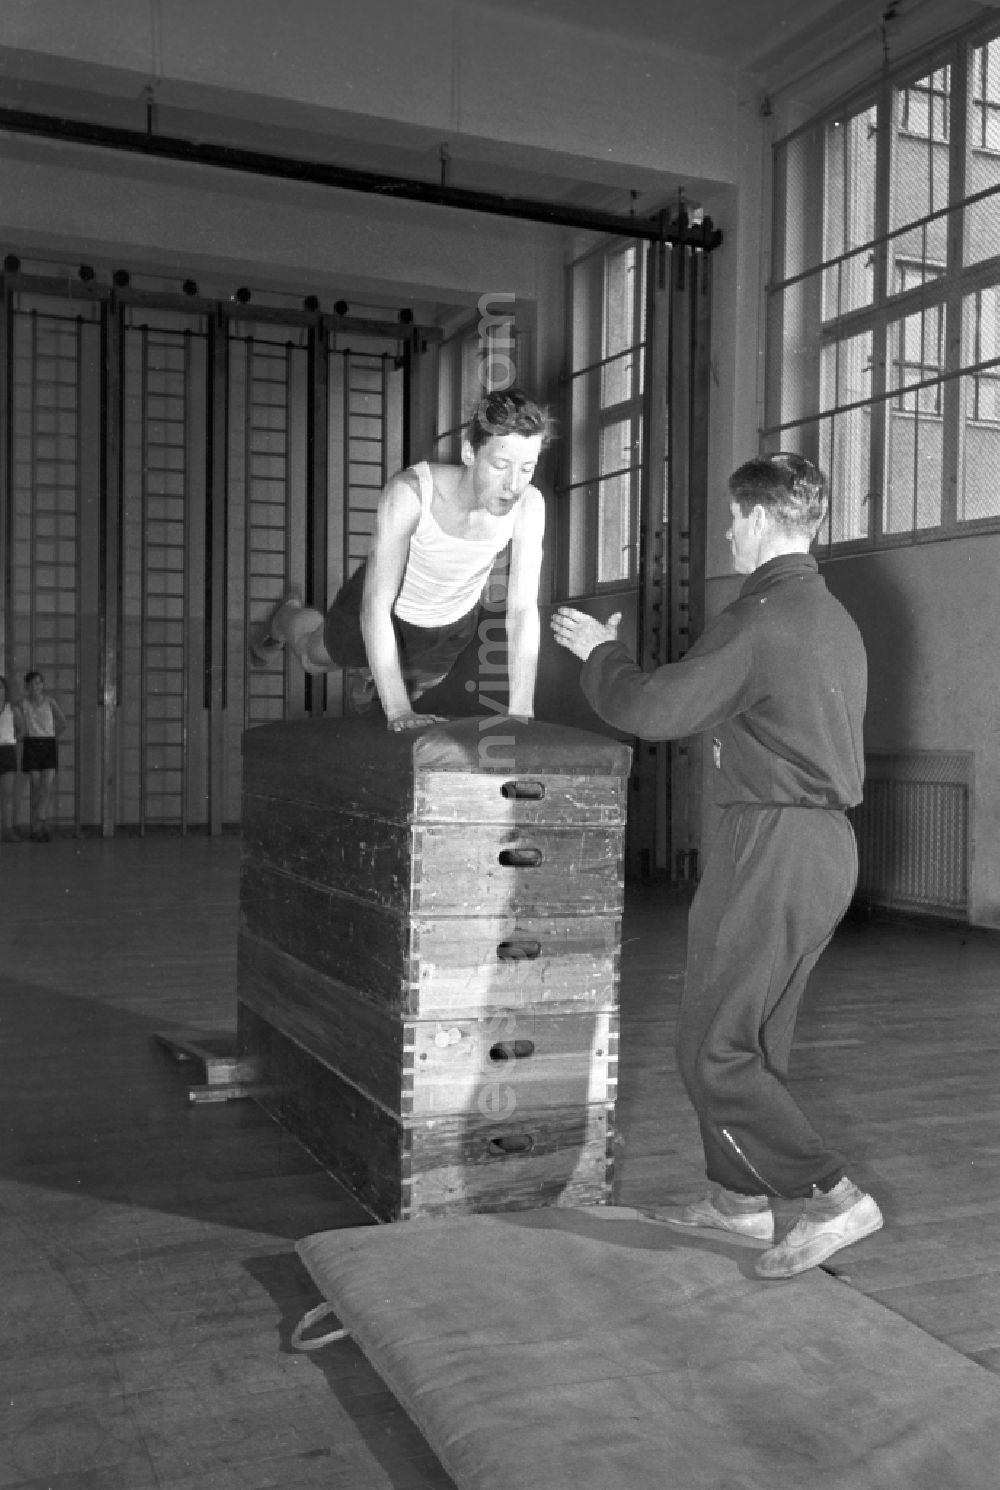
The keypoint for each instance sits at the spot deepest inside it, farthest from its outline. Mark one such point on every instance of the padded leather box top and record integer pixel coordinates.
(359, 765)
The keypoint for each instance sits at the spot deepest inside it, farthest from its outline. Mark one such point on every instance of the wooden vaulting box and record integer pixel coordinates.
(428, 955)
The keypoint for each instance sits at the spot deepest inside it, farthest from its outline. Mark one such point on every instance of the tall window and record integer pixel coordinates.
(607, 360)
(485, 353)
(985, 113)
(883, 330)
(924, 106)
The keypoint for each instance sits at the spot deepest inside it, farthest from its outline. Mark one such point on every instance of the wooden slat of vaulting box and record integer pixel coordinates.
(432, 967)
(484, 962)
(513, 1059)
(548, 797)
(459, 1162)
(467, 869)
(359, 766)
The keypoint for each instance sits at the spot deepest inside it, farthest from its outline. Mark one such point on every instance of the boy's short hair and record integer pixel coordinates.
(789, 487)
(510, 412)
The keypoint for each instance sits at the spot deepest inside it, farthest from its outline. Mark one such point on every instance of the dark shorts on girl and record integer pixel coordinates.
(8, 759)
(427, 649)
(38, 753)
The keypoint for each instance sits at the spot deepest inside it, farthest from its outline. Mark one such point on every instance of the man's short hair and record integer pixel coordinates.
(790, 488)
(511, 412)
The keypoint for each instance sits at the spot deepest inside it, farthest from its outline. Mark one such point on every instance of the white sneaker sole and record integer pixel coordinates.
(685, 1218)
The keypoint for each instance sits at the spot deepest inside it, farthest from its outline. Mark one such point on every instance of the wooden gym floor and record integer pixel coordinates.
(148, 1277)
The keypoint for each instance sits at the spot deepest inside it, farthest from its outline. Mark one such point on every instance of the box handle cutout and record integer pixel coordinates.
(523, 791)
(520, 858)
(512, 1143)
(517, 949)
(512, 1050)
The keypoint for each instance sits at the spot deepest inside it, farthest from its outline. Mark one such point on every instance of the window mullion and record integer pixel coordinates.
(952, 401)
(593, 386)
(880, 329)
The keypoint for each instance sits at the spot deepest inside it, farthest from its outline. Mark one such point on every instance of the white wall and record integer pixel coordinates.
(188, 221)
(331, 79)
(929, 616)
(451, 68)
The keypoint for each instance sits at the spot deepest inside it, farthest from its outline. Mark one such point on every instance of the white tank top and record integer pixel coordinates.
(444, 575)
(7, 734)
(38, 720)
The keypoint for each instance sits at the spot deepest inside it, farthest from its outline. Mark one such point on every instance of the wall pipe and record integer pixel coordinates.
(657, 229)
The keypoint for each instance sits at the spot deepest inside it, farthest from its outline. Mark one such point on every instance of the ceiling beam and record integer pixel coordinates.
(660, 228)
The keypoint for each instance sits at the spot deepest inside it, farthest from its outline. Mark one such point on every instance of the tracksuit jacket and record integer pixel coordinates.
(779, 681)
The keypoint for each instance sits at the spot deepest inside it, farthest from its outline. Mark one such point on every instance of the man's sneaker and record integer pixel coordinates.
(828, 1222)
(722, 1210)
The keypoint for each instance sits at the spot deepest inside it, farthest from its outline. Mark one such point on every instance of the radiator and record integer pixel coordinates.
(913, 832)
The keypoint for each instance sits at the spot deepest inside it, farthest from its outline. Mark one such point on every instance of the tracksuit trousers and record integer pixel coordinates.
(776, 883)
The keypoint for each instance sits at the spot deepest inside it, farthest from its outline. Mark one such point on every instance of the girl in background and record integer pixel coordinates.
(43, 721)
(10, 728)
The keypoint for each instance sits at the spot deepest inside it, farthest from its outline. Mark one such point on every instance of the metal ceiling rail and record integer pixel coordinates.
(660, 228)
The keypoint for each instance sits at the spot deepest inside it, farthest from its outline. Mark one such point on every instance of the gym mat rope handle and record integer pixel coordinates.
(311, 1317)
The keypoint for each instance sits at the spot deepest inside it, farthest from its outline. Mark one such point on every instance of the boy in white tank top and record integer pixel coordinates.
(404, 617)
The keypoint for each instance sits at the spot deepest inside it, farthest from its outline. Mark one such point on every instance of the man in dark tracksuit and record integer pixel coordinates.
(779, 682)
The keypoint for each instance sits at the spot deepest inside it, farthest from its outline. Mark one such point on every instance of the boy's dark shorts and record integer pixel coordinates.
(8, 759)
(429, 649)
(39, 753)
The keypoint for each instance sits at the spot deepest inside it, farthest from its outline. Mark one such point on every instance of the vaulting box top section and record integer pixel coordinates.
(488, 769)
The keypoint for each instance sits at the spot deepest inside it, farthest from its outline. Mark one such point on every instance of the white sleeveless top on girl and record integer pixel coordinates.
(445, 576)
(38, 720)
(7, 735)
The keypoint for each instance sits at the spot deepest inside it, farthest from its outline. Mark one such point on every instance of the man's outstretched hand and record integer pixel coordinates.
(580, 633)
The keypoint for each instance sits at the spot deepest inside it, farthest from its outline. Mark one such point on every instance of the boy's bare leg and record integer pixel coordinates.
(7, 830)
(418, 682)
(300, 629)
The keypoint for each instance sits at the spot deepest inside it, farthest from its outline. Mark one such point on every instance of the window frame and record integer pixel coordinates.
(585, 482)
(492, 339)
(948, 386)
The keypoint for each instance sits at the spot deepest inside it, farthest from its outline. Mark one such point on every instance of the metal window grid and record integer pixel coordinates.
(923, 260)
